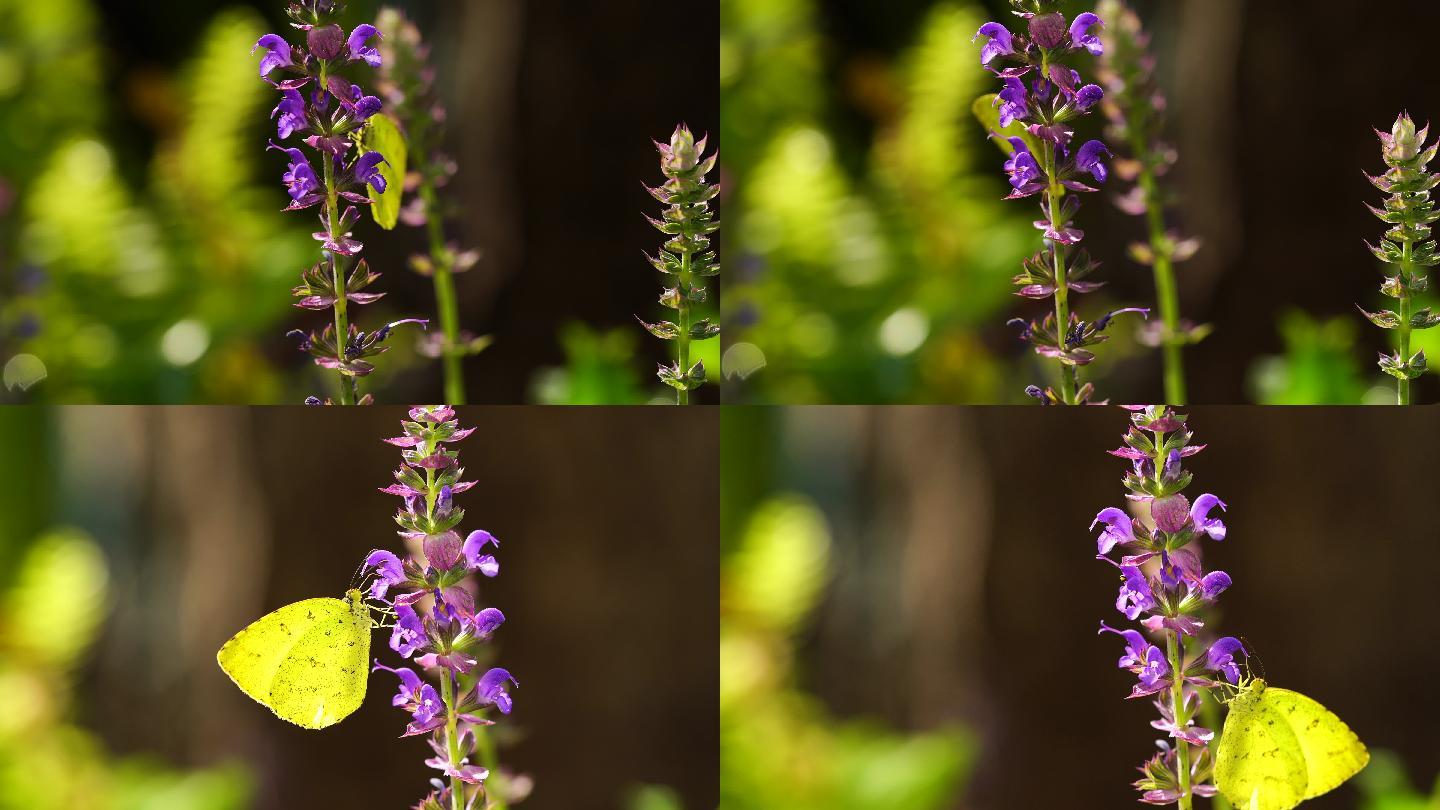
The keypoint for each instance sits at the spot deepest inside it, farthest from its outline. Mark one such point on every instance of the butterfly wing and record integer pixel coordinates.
(1332, 752)
(1260, 764)
(322, 680)
(253, 656)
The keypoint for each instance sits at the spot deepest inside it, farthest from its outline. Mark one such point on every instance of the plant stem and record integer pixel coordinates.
(1402, 385)
(682, 395)
(1175, 650)
(446, 305)
(1068, 374)
(1166, 295)
(452, 739)
(337, 275)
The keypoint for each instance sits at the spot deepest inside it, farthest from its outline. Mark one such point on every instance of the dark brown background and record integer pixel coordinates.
(966, 588)
(210, 517)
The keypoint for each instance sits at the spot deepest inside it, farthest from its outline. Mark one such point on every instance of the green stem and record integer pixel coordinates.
(682, 395)
(337, 276)
(1068, 374)
(1175, 652)
(452, 739)
(445, 302)
(1402, 385)
(1171, 339)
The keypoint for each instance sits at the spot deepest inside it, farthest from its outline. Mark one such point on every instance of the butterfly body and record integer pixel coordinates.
(1280, 748)
(307, 662)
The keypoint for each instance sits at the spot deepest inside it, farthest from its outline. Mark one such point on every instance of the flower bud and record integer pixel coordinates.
(1048, 30)
(1170, 513)
(326, 42)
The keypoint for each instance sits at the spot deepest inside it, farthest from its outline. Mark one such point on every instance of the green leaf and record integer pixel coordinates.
(989, 117)
(383, 135)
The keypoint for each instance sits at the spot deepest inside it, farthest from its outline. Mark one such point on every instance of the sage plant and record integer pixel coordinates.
(1135, 106)
(1407, 245)
(436, 623)
(686, 255)
(407, 83)
(1046, 97)
(1165, 589)
(323, 111)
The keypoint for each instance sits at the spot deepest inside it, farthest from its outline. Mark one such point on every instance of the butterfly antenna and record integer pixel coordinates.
(355, 580)
(1252, 655)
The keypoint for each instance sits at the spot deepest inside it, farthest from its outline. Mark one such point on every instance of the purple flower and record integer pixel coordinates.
(361, 106)
(1047, 30)
(358, 49)
(367, 170)
(1012, 101)
(999, 42)
(1119, 530)
(1135, 646)
(1088, 96)
(290, 112)
(1200, 516)
(1080, 33)
(277, 54)
(476, 559)
(1221, 658)
(1213, 584)
(1025, 175)
(390, 570)
(415, 696)
(300, 179)
(486, 622)
(1089, 159)
(491, 690)
(409, 633)
(1135, 594)
(1154, 670)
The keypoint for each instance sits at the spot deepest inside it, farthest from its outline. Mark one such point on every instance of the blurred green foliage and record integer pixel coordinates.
(157, 292)
(778, 746)
(602, 368)
(53, 609)
(865, 268)
(1319, 366)
(653, 797)
(1385, 786)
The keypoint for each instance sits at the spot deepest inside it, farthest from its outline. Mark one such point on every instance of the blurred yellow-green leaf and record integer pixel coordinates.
(383, 135)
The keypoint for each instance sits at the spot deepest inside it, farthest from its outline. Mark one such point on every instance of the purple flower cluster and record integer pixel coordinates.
(1165, 589)
(437, 623)
(1040, 100)
(322, 109)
